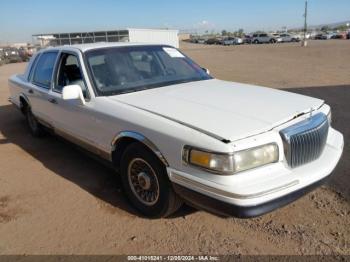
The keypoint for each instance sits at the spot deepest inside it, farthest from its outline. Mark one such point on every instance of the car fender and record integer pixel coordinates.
(142, 139)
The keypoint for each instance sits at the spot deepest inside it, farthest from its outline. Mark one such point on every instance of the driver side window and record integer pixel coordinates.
(69, 73)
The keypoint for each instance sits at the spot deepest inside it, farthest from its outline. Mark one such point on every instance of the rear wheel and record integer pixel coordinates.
(272, 41)
(256, 41)
(36, 129)
(146, 182)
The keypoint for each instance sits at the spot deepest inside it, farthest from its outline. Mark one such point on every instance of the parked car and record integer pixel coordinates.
(213, 41)
(11, 55)
(339, 36)
(277, 36)
(247, 39)
(289, 38)
(173, 132)
(264, 38)
(23, 53)
(2, 57)
(321, 37)
(330, 35)
(201, 41)
(232, 41)
(31, 50)
(238, 41)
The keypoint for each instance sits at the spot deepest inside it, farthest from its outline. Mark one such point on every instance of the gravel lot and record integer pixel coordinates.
(56, 200)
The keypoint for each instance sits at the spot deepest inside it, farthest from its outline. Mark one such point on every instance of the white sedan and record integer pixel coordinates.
(289, 38)
(232, 41)
(174, 133)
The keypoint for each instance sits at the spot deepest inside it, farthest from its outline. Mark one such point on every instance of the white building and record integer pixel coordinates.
(156, 36)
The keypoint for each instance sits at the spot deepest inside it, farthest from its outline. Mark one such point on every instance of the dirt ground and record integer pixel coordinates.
(56, 200)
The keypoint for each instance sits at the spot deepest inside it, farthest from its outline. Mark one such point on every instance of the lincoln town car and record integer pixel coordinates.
(176, 134)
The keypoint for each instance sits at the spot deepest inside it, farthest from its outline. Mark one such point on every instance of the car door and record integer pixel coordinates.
(73, 120)
(40, 84)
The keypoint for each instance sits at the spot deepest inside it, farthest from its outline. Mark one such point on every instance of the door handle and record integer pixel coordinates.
(30, 91)
(53, 100)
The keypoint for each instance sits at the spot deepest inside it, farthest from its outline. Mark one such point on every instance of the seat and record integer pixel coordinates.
(72, 76)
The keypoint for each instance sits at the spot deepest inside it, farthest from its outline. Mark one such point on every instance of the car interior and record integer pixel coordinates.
(70, 73)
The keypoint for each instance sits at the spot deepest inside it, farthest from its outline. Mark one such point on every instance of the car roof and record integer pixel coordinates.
(86, 47)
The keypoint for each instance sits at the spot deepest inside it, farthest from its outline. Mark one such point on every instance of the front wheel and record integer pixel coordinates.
(146, 182)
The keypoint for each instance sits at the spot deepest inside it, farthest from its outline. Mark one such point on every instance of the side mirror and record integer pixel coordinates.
(73, 92)
(206, 70)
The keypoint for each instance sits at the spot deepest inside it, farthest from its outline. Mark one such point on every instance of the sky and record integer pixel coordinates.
(19, 19)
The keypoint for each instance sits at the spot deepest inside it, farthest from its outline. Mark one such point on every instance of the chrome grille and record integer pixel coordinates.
(305, 141)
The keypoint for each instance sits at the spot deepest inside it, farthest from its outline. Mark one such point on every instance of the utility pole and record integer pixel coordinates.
(304, 42)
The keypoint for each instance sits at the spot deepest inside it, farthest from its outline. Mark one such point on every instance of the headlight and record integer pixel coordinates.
(254, 157)
(231, 163)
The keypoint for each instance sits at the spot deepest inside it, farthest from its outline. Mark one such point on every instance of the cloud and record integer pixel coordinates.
(204, 25)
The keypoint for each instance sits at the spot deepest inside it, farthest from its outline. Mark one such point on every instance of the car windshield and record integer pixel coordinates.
(120, 70)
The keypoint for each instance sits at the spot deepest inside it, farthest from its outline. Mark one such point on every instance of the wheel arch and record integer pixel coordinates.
(23, 102)
(123, 139)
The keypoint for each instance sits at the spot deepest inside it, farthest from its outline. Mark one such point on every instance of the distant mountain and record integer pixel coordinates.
(331, 25)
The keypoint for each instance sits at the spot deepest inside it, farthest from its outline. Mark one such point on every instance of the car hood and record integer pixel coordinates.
(225, 110)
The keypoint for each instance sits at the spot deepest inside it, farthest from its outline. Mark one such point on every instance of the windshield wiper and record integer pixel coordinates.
(128, 90)
(151, 86)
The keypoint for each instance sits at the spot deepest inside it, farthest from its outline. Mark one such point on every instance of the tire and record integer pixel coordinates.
(36, 129)
(256, 41)
(272, 41)
(146, 184)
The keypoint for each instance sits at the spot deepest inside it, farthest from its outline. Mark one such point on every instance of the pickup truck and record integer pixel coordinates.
(174, 133)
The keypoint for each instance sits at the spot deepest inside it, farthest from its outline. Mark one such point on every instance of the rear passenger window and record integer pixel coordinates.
(31, 70)
(44, 69)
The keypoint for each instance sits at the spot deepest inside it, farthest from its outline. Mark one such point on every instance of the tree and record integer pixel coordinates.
(325, 28)
(341, 28)
(240, 32)
(223, 32)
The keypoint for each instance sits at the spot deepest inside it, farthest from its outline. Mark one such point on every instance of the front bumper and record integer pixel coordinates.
(222, 208)
(255, 192)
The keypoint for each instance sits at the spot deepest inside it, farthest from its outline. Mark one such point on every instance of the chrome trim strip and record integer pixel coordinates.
(44, 123)
(194, 184)
(304, 141)
(83, 144)
(309, 123)
(141, 138)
